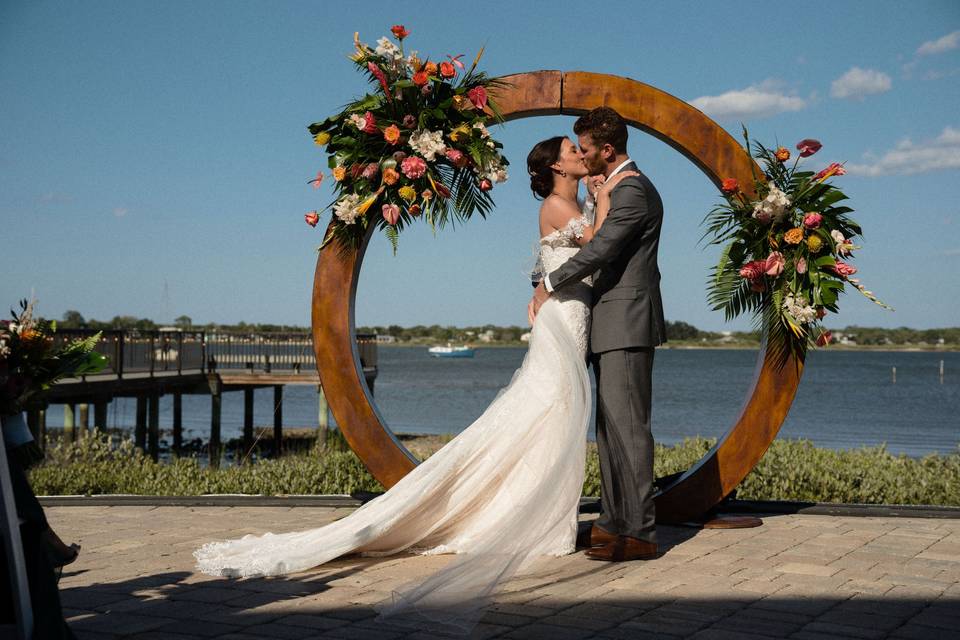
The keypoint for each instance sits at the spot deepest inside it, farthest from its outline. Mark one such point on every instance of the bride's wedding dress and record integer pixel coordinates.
(501, 493)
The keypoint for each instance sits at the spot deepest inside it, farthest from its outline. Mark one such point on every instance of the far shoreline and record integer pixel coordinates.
(682, 345)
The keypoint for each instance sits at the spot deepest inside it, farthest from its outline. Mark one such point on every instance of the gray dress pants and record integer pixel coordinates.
(625, 442)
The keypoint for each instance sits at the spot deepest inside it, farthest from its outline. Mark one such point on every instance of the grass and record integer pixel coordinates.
(791, 470)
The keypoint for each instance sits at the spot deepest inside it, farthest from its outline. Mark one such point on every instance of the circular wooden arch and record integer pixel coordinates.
(698, 138)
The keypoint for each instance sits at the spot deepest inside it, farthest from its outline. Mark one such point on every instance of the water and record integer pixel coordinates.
(846, 398)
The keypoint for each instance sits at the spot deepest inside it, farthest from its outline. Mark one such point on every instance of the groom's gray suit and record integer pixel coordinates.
(627, 324)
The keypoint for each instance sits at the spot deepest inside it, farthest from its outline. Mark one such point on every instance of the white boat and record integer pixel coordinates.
(451, 352)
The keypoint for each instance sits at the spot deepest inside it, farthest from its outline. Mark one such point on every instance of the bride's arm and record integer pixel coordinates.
(603, 198)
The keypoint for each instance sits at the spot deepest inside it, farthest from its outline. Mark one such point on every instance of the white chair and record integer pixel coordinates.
(10, 532)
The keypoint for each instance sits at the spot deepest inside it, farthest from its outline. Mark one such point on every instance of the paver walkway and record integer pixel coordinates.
(797, 576)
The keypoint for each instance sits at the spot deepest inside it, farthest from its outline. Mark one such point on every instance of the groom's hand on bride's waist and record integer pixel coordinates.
(540, 295)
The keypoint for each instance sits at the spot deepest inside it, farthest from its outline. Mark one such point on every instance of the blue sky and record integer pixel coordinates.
(154, 156)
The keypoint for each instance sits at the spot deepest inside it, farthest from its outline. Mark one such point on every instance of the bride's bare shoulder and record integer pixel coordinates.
(555, 213)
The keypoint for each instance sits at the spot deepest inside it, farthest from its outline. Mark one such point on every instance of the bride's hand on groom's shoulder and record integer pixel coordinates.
(613, 181)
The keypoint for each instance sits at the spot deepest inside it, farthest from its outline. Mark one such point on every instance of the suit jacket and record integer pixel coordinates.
(627, 308)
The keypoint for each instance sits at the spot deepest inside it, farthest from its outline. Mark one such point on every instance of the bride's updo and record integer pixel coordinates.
(539, 160)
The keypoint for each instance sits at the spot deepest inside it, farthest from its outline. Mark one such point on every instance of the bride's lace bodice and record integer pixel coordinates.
(556, 248)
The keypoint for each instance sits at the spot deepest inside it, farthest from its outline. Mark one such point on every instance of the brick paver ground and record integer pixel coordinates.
(797, 576)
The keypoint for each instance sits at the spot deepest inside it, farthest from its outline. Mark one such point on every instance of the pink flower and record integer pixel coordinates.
(812, 220)
(413, 167)
(835, 169)
(801, 265)
(409, 121)
(378, 74)
(808, 146)
(369, 123)
(371, 170)
(753, 270)
(457, 158)
(485, 185)
(391, 213)
(316, 181)
(843, 269)
(773, 266)
(312, 218)
(478, 96)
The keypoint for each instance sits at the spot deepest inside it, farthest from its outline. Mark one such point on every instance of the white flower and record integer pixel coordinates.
(358, 120)
(388, 50)
(482, 129)
(346, 208)
(799, 309)
(773, 207)
(494, 171)
(427, 143)
(844, 246)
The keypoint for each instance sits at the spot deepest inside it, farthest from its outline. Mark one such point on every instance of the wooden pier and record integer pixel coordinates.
(147, 365)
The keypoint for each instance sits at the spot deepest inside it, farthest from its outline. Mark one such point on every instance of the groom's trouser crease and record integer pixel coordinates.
(625, 441)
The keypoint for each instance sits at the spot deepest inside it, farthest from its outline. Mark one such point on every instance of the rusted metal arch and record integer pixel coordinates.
(653, 111)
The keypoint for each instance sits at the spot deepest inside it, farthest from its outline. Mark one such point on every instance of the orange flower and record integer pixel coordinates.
(421, 78)
(794, 236)
(392, 134)
(730, 185)
(400, 31)
(339, 173)
(390, 176)
(782, 154)
(447, 70)
(430, 68)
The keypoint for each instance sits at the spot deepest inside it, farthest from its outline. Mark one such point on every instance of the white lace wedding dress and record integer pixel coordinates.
(503, 492)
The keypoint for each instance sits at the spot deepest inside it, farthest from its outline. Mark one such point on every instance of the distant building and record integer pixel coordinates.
(487, 336)
(383, 338)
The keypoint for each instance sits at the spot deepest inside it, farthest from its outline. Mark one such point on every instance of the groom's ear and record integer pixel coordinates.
(608, 152)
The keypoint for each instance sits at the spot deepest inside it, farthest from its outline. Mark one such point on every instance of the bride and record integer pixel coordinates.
(505, 490)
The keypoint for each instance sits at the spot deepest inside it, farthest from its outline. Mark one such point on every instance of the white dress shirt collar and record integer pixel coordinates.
(620, 167)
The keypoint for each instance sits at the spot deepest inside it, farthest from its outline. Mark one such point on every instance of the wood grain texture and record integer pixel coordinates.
(698, 138)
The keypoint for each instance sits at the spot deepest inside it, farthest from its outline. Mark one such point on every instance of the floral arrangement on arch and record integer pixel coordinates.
(786, 254)
(416, 146)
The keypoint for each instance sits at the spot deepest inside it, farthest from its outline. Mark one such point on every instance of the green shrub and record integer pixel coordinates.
(790, 470)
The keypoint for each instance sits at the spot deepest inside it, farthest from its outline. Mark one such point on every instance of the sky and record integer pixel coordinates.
(154, 156)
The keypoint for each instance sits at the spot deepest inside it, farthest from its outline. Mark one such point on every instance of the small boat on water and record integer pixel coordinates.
(451, 352)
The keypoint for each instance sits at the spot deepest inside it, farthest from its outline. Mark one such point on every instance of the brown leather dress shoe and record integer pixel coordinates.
(622, 549)
(600, 537)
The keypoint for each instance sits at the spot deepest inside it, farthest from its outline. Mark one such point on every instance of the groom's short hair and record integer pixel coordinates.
(605, 126)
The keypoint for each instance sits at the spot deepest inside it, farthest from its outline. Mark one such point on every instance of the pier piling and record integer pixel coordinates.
(247, 421)
(177, 422)
(154, 426)
(140, 427)
(278, 419)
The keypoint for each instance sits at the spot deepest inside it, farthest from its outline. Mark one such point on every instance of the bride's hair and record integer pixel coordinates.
(539, 160)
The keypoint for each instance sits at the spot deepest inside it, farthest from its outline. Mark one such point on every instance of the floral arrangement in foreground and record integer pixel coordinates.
(786, 254)
(31, 360)
(416, 146)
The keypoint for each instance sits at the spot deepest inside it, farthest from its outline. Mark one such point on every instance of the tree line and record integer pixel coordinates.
(676, 331)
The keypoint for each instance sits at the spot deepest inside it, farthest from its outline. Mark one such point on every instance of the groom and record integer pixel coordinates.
(627, 323)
